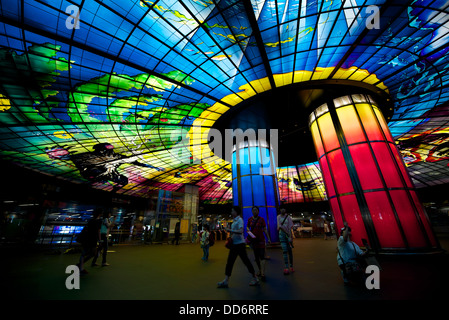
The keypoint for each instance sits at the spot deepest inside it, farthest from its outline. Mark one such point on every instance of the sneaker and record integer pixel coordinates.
(105, 264)
(292, 270)
(286, 271)
(222, 284)
(254, 282)
(84, 271)
(94, 264)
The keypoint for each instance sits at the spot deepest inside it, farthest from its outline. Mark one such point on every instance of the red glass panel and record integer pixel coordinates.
(407, 217)
(328, 133)
(384, 125)
(337, 213)
(369, 122)
(340, 172)
(365, 166)
(384, 221)
(424, 219)
(387, 166)
(327, 177)
(350, 124)
(350, 209)
(401, 165)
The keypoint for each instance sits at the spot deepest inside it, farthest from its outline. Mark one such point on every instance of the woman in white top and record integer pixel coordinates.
(238, 248)
(285, 225)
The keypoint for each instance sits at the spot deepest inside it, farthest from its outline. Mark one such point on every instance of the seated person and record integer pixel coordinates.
(348, 251)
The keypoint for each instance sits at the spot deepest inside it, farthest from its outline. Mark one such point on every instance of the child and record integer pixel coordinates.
(205, 242)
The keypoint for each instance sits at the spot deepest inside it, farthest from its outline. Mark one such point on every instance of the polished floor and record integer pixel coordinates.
(169, 272)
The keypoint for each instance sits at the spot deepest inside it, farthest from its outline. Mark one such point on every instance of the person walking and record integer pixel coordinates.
(257, 227)
(175, 240)
(285, 225)
(205, 242)
(89, 239)
(106, 225)
(327, 230)
(238, 248)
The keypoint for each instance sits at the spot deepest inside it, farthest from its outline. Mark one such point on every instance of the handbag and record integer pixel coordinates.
(229, 243)
(351, 268)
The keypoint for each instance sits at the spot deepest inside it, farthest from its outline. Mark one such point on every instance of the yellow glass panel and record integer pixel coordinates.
(261, 85)
(328, 133)
(317, 139)
(283, 79)
(321, 73)
(369, 121)
(5, 104)
(350, 124)
(301, 76)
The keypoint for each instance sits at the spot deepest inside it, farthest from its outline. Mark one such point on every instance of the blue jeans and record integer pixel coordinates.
(286, 249)
(205, 252)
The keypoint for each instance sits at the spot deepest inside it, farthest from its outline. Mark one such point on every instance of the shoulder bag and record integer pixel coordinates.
(290, 240)
(229, 243)
(350, 268)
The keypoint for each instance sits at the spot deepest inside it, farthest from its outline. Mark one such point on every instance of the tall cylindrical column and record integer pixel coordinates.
(254, 182)
(365, 177)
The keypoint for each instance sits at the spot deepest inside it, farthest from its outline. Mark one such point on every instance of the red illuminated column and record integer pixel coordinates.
(366, 180)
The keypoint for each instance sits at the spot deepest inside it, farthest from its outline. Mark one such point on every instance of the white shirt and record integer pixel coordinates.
(348, 250)
(237, 224)
(287, 224)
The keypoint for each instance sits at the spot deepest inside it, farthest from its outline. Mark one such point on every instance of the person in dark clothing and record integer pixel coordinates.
(177, 233)
(106, 225)
(257, 227)
(90, 238)
(238, 249)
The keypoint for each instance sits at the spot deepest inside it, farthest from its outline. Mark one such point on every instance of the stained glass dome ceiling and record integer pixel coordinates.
(105, 92)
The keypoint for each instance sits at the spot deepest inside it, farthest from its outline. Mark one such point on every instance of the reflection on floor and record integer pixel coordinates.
(166, 272)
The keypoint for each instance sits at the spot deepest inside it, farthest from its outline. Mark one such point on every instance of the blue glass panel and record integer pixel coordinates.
(269, 190)
(272, 228)
(258, 190)
(246, 214)
(263, 213)
(266, 166)
(247, 198)
(235, 191)
(244, 162)
(254, 158)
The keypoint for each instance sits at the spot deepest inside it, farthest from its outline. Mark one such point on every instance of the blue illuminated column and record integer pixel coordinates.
(254, 182)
